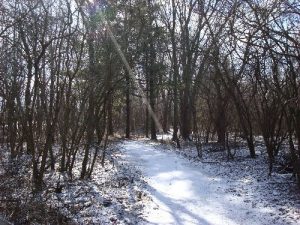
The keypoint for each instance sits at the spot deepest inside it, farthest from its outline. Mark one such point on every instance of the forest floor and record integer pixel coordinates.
(146, 182)
(185, 190)
(114, 194)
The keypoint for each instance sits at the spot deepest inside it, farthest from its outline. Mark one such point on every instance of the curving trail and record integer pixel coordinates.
(183, 193)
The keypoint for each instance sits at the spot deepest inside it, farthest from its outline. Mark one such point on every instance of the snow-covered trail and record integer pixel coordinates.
(184, 194)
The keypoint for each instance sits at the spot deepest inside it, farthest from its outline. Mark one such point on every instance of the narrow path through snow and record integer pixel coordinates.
(184, 194)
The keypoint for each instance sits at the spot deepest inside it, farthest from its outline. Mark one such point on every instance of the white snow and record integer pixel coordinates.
(186, 193)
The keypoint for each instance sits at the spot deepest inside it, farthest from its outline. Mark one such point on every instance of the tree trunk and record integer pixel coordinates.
(128, 109)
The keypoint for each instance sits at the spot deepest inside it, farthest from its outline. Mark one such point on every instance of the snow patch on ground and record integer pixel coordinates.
(112, 196)
(193, 192)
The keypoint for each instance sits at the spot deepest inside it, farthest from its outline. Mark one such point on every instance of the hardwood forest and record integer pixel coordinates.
(80, 77)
